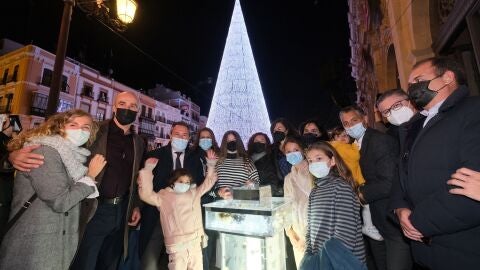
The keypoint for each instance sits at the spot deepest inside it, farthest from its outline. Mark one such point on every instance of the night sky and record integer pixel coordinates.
(300, 46)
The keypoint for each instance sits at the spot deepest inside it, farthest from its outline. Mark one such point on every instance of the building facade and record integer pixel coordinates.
(189, 111)
(24, 87)
(388, 37)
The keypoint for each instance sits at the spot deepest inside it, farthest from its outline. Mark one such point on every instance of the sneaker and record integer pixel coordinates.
(368, 228)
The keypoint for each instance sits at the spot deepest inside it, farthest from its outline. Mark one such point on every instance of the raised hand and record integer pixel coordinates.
(211, 154)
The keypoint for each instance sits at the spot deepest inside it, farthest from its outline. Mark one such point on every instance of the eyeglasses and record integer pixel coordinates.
(395, 107)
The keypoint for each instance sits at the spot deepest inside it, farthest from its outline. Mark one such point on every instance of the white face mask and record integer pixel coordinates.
(181, 187)
(356, 131)
(77, 136)
(400, 116)
(319, 169)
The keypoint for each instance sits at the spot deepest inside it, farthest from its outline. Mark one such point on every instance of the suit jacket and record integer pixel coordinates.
(150, 216)
(89, 206)
(450, 140)
(379, 163)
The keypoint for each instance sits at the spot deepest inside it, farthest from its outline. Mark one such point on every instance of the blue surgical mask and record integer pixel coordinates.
(319, 169)
(356, 131)
(181, 187)
(294, 157)
(179, 144)
(205, 143)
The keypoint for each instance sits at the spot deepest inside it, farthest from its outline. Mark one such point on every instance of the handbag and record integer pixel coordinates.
(20, 212)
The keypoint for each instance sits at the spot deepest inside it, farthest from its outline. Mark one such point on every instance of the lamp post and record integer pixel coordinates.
(125, 10)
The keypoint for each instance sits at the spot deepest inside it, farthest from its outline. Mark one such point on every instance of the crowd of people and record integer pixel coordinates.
(407, 198)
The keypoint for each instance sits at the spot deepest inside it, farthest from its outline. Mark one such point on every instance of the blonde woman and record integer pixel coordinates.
(46, 234)
(298, 185)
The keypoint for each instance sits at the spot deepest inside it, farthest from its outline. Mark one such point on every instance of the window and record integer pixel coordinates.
(85, 107)
(47, 77)
(64, 84)
(103, 97)
(64, 106)
(5, 75)
(39, 104)
(15, 73)
(100, 114)
(150, 113)
(87, 90)
(143, 111)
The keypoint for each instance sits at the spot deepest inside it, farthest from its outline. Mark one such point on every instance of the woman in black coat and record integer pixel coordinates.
(260, 152)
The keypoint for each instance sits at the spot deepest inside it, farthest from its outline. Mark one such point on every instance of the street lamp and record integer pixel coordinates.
(102, 10)
(126, 10)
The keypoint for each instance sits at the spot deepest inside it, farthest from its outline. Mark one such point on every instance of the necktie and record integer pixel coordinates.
(178, 164)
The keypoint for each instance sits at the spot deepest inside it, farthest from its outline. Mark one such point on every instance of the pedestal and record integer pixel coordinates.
(251, 232)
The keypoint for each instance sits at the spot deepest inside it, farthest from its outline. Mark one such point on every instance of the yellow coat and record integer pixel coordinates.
(351, 155)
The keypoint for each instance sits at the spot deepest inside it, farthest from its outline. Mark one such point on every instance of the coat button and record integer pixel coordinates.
(66, 214)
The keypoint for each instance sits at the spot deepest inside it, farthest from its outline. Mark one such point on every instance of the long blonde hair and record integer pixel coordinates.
(52, 126)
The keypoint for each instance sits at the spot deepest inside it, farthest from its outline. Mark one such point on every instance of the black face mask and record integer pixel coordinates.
(232, 146)
(259, 147)
(310, 138)
(125, 116)
(420, 94)
(278, 136)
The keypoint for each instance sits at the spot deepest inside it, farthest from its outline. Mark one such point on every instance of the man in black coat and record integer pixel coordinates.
(378, 162)
(444, 227)
(175, 155)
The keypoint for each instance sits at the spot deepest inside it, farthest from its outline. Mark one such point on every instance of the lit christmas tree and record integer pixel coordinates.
(238, 102)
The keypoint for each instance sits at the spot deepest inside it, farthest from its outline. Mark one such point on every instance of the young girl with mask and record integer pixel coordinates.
(350, 153)
(333, 207)
(298, 185)
(234, 168)
(46, 234)
(180, 212)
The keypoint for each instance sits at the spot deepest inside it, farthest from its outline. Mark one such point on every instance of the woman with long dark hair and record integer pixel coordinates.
(260, 152)
(234, 167)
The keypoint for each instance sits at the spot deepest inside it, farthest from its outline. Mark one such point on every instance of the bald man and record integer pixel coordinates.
(104, 222)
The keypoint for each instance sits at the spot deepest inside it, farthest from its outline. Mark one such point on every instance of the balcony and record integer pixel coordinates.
(160, 119)
(146, 127)
(39, 104)
(103, 97)
(87, 91)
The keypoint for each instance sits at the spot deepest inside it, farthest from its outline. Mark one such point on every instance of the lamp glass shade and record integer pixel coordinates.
(126, 10)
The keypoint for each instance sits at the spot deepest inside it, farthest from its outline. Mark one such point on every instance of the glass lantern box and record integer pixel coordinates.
(251, 232)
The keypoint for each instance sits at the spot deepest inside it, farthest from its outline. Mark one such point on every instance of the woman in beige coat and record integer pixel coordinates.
(297, 186)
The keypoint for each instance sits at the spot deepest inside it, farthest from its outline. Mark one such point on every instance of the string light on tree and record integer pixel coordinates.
(238, 101)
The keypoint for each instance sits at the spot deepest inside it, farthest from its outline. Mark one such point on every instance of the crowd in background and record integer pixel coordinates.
(88, 195)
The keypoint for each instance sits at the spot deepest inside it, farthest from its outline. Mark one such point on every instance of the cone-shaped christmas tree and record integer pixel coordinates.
(238, 102)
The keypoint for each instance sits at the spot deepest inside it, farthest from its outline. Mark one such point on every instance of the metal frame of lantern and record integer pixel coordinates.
(115, 13)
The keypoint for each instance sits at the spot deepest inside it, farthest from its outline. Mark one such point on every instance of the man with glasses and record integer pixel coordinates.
(396, 107)
(444, 136)
(378, 163)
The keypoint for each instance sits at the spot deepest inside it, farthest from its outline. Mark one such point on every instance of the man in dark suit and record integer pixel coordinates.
(445, 136)
(378, 162)
(173, 156)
